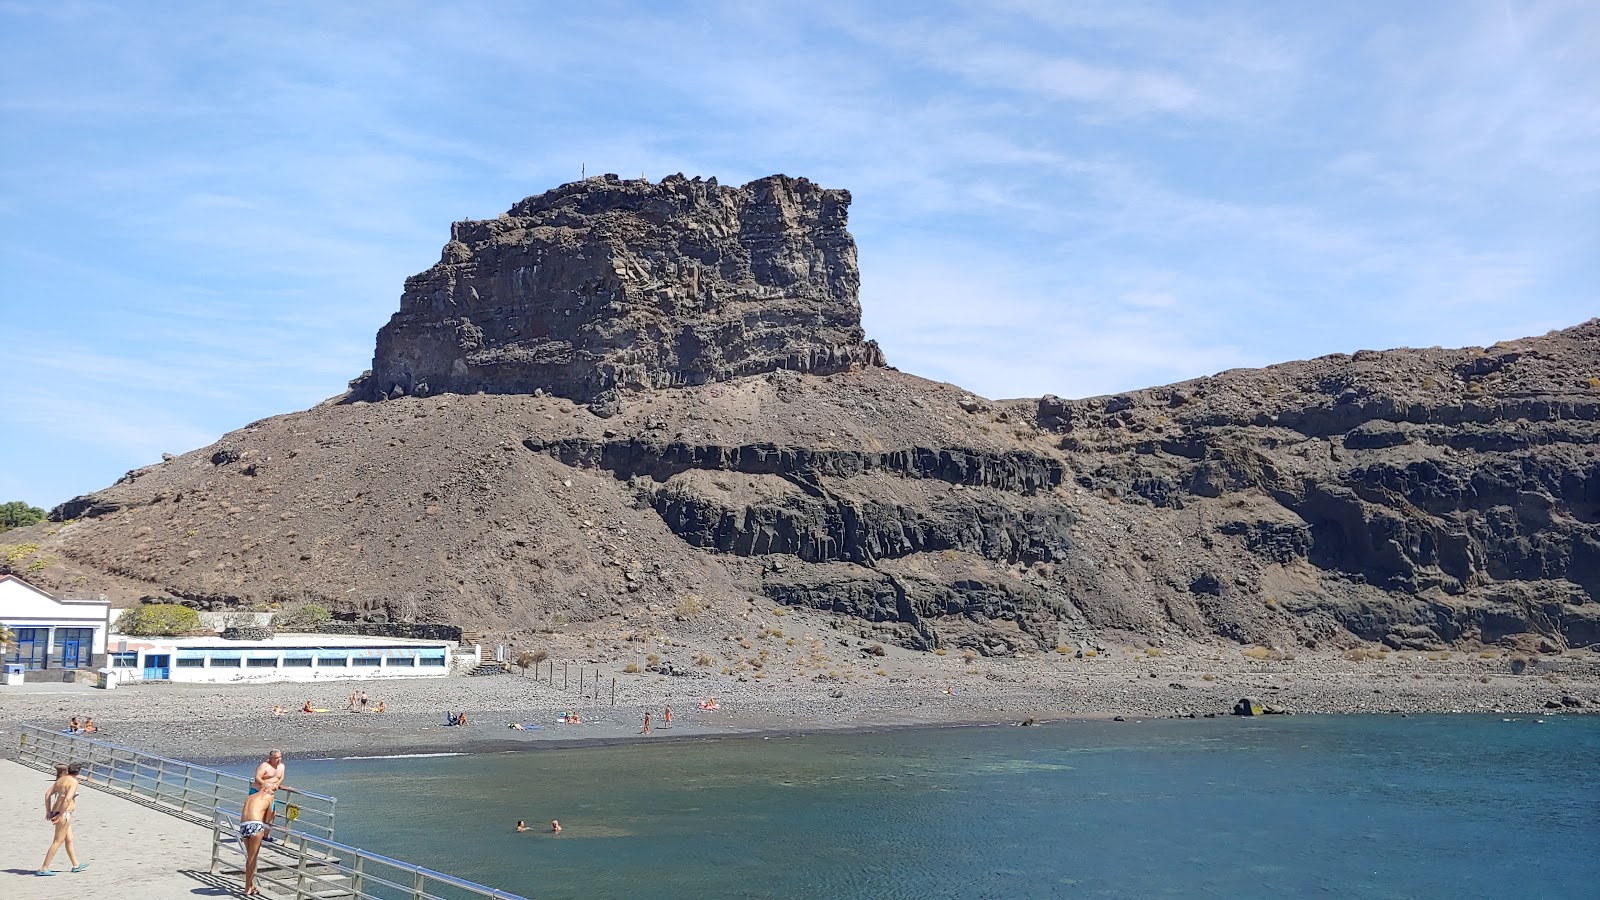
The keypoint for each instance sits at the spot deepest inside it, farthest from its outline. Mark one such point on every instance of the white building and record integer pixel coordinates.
(50, 632)
(284, 657)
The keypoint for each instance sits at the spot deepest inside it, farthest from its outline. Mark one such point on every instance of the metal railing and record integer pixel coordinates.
(307, 867)
(183, 789)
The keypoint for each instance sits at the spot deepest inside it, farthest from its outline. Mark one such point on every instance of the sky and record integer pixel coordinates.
(207, 210)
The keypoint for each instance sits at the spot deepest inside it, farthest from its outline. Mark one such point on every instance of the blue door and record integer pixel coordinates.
(157, 667)
(69, 654)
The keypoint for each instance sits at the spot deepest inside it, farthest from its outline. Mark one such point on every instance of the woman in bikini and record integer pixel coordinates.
(60, 799)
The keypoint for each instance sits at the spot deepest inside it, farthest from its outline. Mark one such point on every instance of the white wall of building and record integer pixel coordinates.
(303, 658)
(26, 610)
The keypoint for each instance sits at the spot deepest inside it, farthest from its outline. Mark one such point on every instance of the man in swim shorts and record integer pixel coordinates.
(269, 778)
(253, 824)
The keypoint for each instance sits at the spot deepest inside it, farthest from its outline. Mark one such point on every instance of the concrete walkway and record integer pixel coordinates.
(134, 852)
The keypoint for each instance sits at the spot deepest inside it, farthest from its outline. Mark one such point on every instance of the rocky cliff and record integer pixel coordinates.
(606, 286)
(655, 402)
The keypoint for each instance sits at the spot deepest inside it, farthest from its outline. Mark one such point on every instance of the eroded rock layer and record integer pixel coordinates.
(606, 286)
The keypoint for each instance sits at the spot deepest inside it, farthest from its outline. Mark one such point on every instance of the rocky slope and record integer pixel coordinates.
(653, 404)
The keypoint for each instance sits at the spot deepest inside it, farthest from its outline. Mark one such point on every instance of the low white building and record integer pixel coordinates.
(51, 632)
(284, 657)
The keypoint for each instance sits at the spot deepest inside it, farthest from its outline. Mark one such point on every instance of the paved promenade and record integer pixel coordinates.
(133, 852)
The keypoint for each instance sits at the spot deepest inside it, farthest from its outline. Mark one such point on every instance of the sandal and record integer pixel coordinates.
(80, 867)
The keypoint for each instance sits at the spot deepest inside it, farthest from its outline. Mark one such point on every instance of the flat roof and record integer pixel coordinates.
(279, 642)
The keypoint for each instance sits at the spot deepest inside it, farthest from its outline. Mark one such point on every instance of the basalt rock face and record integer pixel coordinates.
(1457, 490)
(750, 447)
(605, 286)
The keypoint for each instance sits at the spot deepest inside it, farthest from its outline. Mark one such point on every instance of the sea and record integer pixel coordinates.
(1446, 806)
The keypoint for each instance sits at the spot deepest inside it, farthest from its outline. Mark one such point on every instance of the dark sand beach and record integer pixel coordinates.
(232, 722)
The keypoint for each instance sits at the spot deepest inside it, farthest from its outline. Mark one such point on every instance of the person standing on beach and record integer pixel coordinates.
(646, 729)
(60, 799)
(269, 778)
(254, 820)
(666, 717)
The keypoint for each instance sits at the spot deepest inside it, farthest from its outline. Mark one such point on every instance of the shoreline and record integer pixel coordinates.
(227, 724)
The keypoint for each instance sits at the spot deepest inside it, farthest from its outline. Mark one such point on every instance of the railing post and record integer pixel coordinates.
(418, 883)
(216, 841)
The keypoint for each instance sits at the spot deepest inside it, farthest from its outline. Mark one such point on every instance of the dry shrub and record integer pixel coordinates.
(1363, 654)
(744, 642)
(940, 651)
(1063, 649)
(653, 658)
(705, 659)
(780, 612)
(1152, 651)
(1264, 654)
(1208, 677)
(969, 655)
(631, 668)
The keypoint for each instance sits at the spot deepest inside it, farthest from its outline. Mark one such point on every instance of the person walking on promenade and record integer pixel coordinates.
(269, 778)
(254, 820)
(60, 799)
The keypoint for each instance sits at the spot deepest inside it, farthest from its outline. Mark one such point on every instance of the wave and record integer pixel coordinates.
(403, 756)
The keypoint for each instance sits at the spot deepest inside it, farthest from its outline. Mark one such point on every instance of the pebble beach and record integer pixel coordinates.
(234, 722)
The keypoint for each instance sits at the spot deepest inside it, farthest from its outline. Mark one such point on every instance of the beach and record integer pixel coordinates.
(235, 722)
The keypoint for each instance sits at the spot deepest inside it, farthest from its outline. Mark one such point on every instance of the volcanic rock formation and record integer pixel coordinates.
(647, 401)
(607, 285)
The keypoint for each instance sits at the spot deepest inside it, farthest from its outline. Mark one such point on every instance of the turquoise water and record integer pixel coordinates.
(1336, 806)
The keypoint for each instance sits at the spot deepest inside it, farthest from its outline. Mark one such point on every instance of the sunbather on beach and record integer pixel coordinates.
(89, 726)
(307, 708)
(383, 706)
(72, 727)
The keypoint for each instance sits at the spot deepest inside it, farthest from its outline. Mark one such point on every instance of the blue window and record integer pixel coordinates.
(366, 661)
(433, 661)
(258, 662)
(335, 662)
(400, 661)
(224, 662)
(193, 662)
(296, 661)
(125, 660)
(32, 647)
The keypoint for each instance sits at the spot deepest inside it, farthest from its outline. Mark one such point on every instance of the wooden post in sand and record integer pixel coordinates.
(613, 690)
(563, 676)
(580, 687)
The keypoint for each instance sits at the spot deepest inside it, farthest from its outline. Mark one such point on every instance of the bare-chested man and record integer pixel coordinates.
(269, 778)
(60, 799)
(253, 821)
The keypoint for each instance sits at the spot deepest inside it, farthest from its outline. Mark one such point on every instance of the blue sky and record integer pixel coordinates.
(208, 209)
